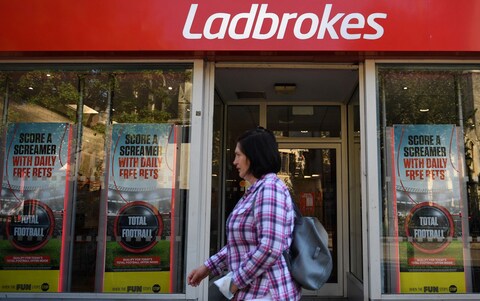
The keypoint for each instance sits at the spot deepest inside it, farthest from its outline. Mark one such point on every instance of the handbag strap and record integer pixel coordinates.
(296, 209)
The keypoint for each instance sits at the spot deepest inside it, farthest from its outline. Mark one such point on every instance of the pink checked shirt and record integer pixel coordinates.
(256, 238)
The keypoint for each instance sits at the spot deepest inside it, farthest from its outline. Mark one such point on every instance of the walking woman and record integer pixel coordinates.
(258, 229)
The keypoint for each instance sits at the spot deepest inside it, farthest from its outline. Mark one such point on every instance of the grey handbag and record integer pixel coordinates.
(308, 257)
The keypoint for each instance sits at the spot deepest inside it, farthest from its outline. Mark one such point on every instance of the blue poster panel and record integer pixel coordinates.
(33, 200)
(141, 192)
(429, 196)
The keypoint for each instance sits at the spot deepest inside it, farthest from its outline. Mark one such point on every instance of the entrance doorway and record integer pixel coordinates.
(313, 111)
(313, 174)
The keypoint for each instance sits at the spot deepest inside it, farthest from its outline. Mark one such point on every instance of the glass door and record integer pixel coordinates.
(313, 172)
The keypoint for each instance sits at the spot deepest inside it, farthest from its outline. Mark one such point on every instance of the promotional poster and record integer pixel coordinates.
(33, 200)
(428, 198)
(141, 194)
(307, 203)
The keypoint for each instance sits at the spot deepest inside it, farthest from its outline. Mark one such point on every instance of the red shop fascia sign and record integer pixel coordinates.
(216, 25)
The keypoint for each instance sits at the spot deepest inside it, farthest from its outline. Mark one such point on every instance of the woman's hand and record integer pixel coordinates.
(197, 275)
(233, 288)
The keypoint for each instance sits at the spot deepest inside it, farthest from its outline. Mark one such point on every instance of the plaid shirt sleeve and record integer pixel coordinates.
(217, 263)
(271, 230)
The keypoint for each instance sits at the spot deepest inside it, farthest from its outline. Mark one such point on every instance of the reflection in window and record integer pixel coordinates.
(430, 167)
(41, 96)
(3, 93)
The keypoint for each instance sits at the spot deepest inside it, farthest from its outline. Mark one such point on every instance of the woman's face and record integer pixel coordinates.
(242, 164)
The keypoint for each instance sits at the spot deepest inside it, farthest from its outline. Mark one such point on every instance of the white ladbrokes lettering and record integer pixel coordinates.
(277, 26)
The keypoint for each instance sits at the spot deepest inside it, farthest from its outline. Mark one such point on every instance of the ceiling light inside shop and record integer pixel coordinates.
(285, 88)
(302, 110)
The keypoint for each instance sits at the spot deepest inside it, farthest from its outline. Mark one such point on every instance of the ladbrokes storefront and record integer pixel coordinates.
(119, 121)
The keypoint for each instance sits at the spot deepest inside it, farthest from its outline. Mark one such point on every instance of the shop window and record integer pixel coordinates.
(430, 172)
(355, 202)
(35, 151)
(95, 168)
(217, 218)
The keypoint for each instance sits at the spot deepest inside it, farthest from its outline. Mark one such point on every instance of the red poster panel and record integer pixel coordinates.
(33, 203)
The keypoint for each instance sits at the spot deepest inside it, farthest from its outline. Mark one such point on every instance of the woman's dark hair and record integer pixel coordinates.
(261, 148)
